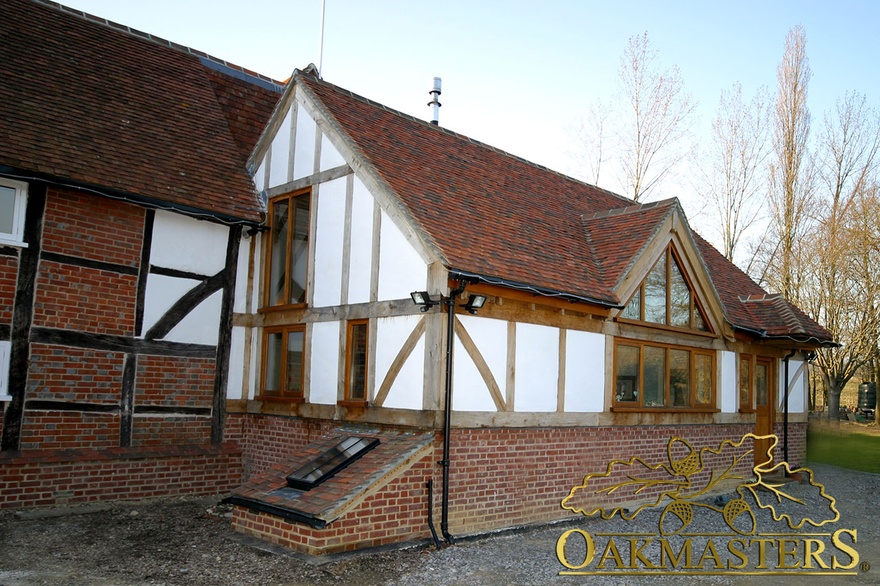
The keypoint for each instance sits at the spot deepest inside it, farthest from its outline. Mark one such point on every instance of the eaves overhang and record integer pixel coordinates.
(474, 278)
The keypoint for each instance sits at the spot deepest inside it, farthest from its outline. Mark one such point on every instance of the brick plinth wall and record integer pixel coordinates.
(499, 477)
(61, 477)
(396, 513)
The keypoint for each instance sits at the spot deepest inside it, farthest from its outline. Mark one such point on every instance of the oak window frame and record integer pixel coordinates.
(357, 363)
(280, 372)
(634, 385)
(289, 217)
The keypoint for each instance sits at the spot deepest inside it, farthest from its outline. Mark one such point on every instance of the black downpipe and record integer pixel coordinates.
(785, 409)
(447, 416)
(437, 543)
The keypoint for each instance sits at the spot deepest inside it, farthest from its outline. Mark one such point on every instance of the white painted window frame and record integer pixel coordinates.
(5, 348)
(16, 237)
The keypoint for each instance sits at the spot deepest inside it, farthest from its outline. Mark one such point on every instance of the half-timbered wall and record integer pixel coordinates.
(115, 324)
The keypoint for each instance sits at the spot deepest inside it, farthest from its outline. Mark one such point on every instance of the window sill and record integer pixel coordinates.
(352, 403)
(276, 399)
(5, 398)
(640, 409)
(14, 243)
(747, 410)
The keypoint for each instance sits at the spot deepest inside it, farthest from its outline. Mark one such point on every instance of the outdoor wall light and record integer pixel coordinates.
(423, 299)
(474, 303)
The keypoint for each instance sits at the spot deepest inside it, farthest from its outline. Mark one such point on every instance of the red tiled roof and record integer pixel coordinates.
(485, 212)
(94, 103)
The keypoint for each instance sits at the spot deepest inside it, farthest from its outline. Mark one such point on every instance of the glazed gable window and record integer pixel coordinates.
(658, 376)
(666, 298)
(288, 250)
(283, 353)
(13, 201)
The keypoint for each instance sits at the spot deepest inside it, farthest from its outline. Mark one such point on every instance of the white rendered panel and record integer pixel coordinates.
(260, 176)
(201, 325)
(304, 149)
(186, 244)
(537, 368)
(361, 267)
(162, 292)
(797, 396)
(280, 153)
(729, 383)
(324, 373)
(470, 392)
(408, 388)
(584, 372)
(235, 380)
(401, 270)
(239, 303)
(329, 242)
(330, 157)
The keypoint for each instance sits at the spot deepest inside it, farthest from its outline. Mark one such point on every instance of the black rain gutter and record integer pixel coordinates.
(119, 195)
(458, 274)
(277, 511)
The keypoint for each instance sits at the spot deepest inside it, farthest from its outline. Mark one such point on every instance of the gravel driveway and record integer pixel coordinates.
(188, 542)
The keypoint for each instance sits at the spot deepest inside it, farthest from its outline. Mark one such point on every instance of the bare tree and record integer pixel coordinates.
(734, 177)
(844, 293)
(591, 141)
(657, 119)
(790, 178)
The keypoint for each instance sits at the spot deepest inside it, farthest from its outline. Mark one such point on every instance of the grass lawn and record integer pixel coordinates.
(845, 447)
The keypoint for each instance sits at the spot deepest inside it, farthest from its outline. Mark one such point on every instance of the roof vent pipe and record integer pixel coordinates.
(436, 101)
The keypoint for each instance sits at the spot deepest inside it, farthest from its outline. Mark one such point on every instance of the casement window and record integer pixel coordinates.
(13, 201)
(5, 347)
(663, 377)
(746, 383)
(755, 378)
(288, 250)
(283, 364)
(666, 298)
(356, 352)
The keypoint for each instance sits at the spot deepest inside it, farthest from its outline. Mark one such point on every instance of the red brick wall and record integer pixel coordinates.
(498, 477)
(63, 373)
(54, 430)
(8, 277)
(91, 227)
(397, 513)
(32, 479)
(191, 379)
(156, 430)
(84, 299)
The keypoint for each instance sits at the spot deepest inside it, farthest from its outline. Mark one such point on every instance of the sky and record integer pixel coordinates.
(520, 74)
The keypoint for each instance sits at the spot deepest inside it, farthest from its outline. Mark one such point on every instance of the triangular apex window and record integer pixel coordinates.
(666, 298)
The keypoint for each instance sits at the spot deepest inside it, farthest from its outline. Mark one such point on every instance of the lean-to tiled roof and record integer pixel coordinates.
(485, 212)
(96, 104)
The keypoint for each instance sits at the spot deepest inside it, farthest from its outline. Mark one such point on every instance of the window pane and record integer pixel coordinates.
(294, 362)
(299, 250)
(761, 384)
(703, 382)
(357, 374)
(679, 377)
(627, 387)
(655, 293)
(278, 254)
(655, 376)
(699, 320)
(745, 382)
(7, 209)
(679, 298)
(272, 382)
(633, 309)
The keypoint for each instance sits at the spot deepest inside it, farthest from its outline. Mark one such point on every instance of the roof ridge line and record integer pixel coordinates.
(631, 209)
(216, 61)
(443, 129)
